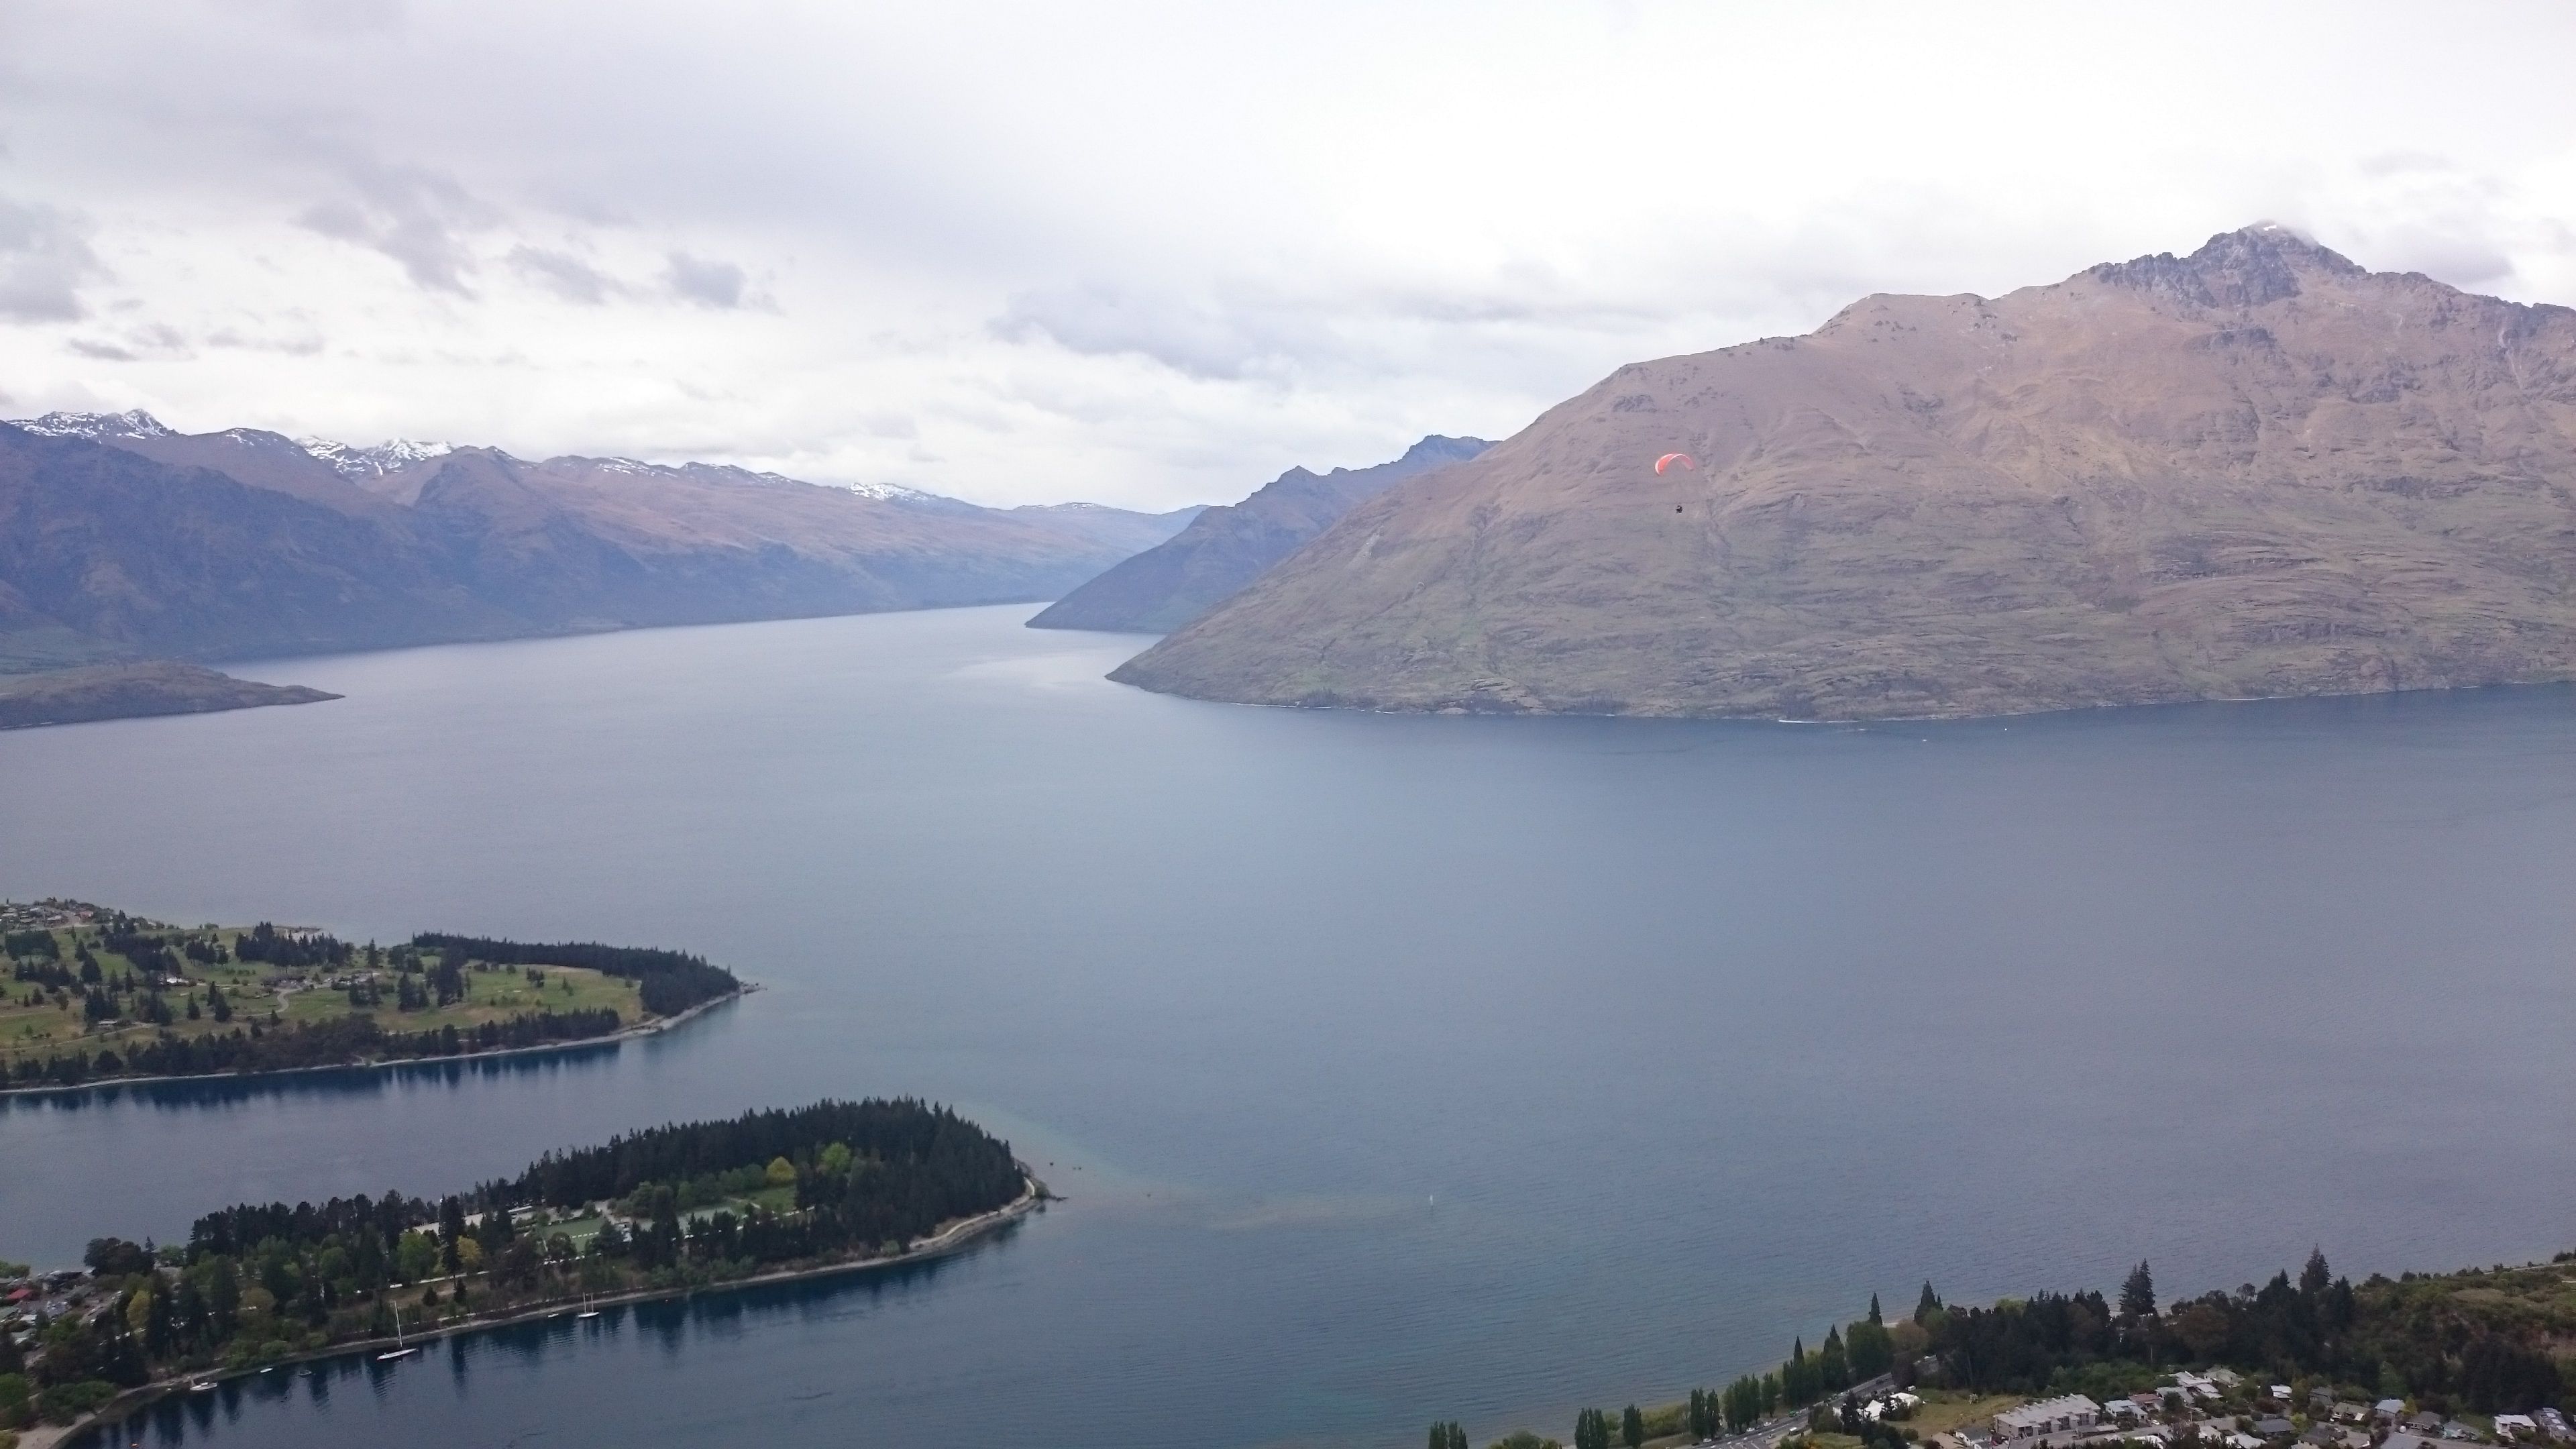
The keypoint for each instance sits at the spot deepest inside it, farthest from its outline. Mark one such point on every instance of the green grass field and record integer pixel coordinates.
(255, 990)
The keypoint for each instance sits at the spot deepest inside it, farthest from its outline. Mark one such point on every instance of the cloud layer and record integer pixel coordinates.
(1155, 254)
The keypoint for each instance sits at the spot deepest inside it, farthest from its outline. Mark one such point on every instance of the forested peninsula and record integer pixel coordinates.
(94, 994)
(658, 1212)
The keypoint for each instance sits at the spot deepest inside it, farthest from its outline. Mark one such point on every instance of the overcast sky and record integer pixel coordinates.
(1155, 254)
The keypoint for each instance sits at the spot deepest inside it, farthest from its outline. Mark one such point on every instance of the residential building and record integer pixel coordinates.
(2071, 1414)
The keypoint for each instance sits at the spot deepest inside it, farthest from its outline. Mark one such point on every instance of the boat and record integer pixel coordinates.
(395, 1354)
(201, 1386)
(586, 1310)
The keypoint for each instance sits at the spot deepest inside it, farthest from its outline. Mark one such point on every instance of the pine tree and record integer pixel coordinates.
(1632, 1428)
(1833, 1366)
(1873, 1309)
(2138, 1295)
(2316, 1277)
(1928, 1304)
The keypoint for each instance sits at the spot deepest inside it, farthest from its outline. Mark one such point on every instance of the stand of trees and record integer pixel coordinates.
(335, 1042)
(671, 981)
(265, 943)
(2480, 1340)
(260, 1281)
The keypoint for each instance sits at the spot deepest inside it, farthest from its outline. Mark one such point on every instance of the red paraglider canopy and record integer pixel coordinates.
(1670, 461)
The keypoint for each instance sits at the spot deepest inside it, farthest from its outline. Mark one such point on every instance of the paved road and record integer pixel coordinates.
(1769, 1433)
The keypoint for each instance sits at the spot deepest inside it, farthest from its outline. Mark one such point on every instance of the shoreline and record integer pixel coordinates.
(956, 1236)
(639, 1030)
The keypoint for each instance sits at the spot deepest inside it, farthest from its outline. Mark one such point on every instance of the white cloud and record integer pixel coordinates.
(1156, 252)
(413, 215)
(565, 275)
(44, 260)
(721, 285)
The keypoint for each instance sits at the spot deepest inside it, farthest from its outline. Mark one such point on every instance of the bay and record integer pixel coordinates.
(1394, 1068)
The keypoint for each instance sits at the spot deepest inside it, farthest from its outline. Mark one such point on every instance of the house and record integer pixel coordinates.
(2461, 1432)
(2350, 1411)
(2225, 1378)
(2389, 1411)
(2321, 1401)
(2070, 1414)
(2127, 1411)
(1895, 1405)
(2516, 1426)
(2554, 1424)
(2323, 1436)
(2280, 1394)
(2274, 1427)
(2427, 1424)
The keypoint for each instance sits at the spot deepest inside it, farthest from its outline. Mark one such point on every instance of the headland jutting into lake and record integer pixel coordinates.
(676, 1209)
(96, 995)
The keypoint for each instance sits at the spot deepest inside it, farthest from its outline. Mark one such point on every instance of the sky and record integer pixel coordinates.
(1153, 255)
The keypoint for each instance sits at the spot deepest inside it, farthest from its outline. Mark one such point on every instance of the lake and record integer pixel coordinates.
(1394, 1068)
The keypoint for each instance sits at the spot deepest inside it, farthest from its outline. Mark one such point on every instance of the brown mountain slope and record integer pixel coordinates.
(2257, 470)
(1166, 586)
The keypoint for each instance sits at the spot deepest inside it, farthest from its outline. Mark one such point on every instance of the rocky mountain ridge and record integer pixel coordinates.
(1229, 546)
(2256, 470)
(122, 538)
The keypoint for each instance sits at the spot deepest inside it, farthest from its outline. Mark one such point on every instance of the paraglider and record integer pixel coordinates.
(1670, 461)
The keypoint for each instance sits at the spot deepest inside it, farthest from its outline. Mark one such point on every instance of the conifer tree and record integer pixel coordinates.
(2138, 1294)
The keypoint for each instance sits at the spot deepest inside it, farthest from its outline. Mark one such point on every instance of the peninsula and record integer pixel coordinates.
(93, 994)
(133, 691)
(666, 1211)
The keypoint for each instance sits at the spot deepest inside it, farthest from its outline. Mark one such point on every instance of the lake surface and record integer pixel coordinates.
(1396, 1068)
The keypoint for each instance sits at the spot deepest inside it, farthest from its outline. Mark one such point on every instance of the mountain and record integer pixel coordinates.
(2256, 470)
(112, 554)
(1164, 587)
(359, 464)
(120, 538)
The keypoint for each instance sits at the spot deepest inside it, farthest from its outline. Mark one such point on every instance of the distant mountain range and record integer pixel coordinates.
(2256, 470)
(122, 539)
(1227, 547)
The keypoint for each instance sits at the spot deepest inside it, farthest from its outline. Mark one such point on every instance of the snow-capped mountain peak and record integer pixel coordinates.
(95, 426)
(353, 461)
(888, 492)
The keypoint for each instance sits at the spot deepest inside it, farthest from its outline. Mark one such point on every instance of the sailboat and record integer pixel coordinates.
(397, 1352)
(586, 1310)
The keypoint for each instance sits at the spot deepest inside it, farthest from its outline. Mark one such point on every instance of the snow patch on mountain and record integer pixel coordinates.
(354, 461)
(96, 426)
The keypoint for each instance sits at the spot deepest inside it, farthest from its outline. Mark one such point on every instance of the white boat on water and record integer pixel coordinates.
(201, 1386)
(395, 1354)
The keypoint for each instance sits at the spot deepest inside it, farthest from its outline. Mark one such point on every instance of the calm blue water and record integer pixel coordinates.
(1397, 1068)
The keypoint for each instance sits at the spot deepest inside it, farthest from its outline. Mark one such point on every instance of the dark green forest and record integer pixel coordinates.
(687, 1205)
(672, 981)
